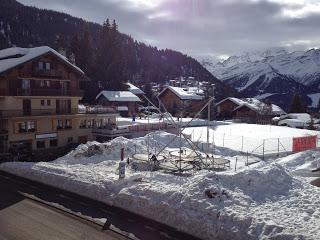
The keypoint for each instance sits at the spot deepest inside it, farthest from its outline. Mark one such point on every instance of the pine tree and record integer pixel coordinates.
(110, 60)
(296, 104)
(148, 91)
(85, 51)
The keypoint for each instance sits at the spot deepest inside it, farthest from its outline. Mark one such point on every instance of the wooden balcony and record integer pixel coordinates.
(36, 112)
(47, 92)
(51, 73)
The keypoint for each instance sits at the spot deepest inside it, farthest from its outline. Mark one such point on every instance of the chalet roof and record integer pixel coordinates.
(119, 96)
(135, 90)
(12, 57)
(237, 101)
(255, 105)
(252, 103)
(182, 93)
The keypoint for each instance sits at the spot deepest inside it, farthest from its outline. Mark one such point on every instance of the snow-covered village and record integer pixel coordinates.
(117, 122)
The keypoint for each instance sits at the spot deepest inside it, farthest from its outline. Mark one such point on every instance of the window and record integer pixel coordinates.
(48, 66)
(41, 144)
(60, 124)
(26, 87)
(45, 83)
(63, 106)
(70, 139)
(64, 124)
(89, 124)
(67, 123)
(29, 126)
(22, 127)
(42, 102)
(53, 143)
(83, 123)
(48, 102)
(40, 65)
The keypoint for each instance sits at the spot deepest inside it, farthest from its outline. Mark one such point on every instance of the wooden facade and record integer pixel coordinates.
(225, 109)
(132, 106)
(39, 105)
(180, 107)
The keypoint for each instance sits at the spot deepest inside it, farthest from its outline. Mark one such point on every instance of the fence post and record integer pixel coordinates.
(235, 167)
(247, 159)
(278, 146)
(241, 143)
(263, 149)
(223, 139)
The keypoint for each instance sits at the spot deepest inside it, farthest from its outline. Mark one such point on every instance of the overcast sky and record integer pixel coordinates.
(205, 27)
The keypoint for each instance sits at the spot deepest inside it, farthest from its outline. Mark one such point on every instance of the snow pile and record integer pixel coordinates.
(263, 201)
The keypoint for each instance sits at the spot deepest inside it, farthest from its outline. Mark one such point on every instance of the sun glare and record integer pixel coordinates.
(145, 3)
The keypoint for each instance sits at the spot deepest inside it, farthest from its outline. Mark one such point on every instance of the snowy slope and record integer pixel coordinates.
(274, 71)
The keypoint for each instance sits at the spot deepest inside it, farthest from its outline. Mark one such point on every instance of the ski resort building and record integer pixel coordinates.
(136, 91)
(39, 96)
(181, 101)
(123, 101)
(248, 110)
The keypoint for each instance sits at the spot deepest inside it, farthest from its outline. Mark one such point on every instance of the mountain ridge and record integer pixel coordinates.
(26, 26)
(273, 71)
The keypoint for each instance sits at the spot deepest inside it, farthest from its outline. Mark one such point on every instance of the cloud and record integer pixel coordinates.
(205, 27)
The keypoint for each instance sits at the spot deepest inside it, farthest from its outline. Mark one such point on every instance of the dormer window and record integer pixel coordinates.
(44, 66)
(48, 66)
(40, 65)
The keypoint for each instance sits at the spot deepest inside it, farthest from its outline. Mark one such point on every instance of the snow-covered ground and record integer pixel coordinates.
(267, 200)
(249, 137)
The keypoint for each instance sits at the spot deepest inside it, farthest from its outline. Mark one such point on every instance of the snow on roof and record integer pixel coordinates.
(12, 57)
(183, 94)
(135, 90)
(255, 104)
(122, 108)
(237, 101)
(119, 96)
(195, 90)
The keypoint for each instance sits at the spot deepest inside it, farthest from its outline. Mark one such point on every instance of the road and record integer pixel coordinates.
(32, 210)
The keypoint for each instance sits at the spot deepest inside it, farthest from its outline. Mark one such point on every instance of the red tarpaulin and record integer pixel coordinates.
(304, 143)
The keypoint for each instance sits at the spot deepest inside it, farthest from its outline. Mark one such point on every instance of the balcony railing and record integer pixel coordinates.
(48, 92)
(48, 73)
(97, 110)
(36, 112)
(48, 112)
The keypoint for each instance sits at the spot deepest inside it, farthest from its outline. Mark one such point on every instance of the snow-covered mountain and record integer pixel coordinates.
(274, 74)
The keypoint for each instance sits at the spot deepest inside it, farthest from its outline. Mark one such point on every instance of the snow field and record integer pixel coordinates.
(263, 201)
(249, 137)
